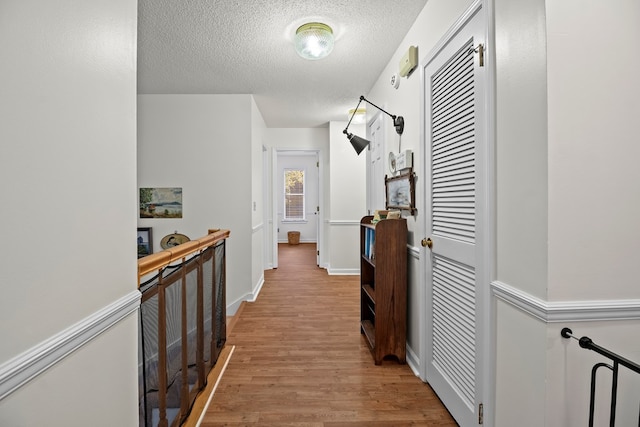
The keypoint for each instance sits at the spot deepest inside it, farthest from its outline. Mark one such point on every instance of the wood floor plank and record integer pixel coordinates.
(299, 359)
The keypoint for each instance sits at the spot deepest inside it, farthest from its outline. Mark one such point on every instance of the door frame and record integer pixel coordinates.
(487, 322)
(276, 152)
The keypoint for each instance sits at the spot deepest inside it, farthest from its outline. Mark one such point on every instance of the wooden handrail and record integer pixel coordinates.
(159, 260)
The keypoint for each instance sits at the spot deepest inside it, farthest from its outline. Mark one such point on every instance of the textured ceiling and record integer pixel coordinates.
(246, 47)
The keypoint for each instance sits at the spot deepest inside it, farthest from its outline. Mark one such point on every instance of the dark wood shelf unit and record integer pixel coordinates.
(383, 287)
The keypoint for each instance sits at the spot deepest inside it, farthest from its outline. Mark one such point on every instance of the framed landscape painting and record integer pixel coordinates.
(161, 202)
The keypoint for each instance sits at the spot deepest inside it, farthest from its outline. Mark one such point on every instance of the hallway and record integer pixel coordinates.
(300, 359)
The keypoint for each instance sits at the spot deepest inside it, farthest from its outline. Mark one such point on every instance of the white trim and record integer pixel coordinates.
(342, 271)
(23, 368)
(257, 228)
(248, 297)
(258, 288)
(414, 362)
(490, 345)
(234, 306)
(344, 222)
(413, 251)
(566, 311)
(301, 241)
(215, 387)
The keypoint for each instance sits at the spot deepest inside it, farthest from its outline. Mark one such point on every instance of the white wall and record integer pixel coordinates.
(594, 106)
(522, 206)
(203, 143)
(565, 176)
(566, 194)
(347, 205)
(594, 190)
(521, 149)
(67, 178)
(258, 264)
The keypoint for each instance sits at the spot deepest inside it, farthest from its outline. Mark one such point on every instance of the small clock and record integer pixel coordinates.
(392, 163)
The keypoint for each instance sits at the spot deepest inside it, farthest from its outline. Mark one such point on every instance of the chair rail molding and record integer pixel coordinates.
(344, 222)
(566, 311)
(26, 366)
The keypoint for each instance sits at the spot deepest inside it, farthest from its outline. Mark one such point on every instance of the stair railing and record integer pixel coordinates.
(587, 343)
(182, 325)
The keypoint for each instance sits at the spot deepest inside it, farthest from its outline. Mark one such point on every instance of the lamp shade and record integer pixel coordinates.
(358, 143)
(314, 40)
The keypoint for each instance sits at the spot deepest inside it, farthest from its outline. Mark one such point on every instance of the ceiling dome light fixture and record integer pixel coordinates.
(359, 115)
(314, 40)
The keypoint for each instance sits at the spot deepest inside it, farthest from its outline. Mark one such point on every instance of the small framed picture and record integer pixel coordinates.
(400, 192)
(145, 243)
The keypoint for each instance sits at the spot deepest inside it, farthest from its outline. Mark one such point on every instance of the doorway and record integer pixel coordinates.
(296, 207)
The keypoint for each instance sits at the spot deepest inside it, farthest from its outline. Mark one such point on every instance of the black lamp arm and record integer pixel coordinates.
(351, 118)
(398, 121)
(362, 98)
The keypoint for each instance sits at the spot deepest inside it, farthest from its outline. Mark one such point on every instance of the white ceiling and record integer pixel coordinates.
(246, 47)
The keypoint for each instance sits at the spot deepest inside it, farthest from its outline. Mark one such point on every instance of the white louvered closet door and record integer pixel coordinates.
(454, 103)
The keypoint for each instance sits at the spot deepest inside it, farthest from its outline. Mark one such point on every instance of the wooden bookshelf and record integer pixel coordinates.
(383, 287)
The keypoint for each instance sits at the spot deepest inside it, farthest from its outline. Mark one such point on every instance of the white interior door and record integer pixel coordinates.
(454, 194)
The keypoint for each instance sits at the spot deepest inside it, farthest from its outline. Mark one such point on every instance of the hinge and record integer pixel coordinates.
(317, 208)
(318, 253)
(480, 51)
(481, 414)
(317, 164)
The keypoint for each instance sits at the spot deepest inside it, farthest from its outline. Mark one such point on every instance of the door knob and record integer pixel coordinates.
(427, 243)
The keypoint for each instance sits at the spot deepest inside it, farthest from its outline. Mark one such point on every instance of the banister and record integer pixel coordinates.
(182, 327)
(587, 343)
(159, 260)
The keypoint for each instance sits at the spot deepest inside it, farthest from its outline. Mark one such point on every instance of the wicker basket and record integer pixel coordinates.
(294, 237)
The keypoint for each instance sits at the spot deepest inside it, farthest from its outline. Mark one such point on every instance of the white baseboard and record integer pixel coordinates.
(249, 297)
(23, 368)
(414, 362)
(343, 271)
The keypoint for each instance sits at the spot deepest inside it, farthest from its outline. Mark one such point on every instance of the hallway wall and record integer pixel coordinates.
(566, 198)
(203, 143)
(67, 178)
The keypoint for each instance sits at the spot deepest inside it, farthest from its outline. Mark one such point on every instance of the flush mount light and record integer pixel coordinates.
(314, 40)
(359, 115)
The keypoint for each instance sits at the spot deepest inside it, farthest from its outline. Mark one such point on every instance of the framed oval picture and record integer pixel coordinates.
(171, 240)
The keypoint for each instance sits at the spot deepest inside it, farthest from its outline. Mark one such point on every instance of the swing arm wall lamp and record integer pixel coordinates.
(359, 143)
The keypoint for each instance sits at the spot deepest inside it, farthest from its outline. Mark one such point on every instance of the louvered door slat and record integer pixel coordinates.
(457, 142)
(454, 286)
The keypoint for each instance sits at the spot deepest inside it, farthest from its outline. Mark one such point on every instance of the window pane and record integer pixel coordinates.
(294, 194)
(294, 206)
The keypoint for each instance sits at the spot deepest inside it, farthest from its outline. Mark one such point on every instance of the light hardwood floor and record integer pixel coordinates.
(300, 360)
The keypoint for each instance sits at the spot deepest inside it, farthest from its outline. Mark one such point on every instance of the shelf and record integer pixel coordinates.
(371, 293)
(369, 332)
(370, 261)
